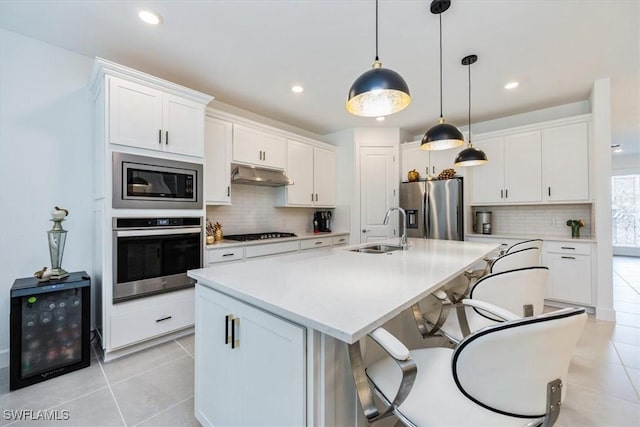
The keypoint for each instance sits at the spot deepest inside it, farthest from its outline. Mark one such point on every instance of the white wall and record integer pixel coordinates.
(45, 160)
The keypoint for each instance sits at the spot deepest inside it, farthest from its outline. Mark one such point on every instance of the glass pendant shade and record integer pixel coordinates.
(471, 156)
(378, 92)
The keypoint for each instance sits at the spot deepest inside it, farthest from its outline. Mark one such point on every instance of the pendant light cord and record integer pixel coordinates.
(469, 67)
(377, 30)
(440, 15)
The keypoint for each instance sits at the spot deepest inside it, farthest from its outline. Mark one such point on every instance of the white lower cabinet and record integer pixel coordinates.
(145, 318)
(570, 272)
(249, 365)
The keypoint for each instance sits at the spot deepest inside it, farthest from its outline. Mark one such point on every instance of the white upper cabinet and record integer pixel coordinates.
(426, 162)
(259, 148)
(522, 167)
(217, 167)
(313, 172)
(565, 167)
(144, 117)
(488, 179)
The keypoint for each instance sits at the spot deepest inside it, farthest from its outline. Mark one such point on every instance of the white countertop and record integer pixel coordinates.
(341, 293)
(525, 236)
(302, 236)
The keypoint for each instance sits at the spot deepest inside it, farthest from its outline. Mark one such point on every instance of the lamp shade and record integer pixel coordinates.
(442, 136)
(471, 156)
(378, 92)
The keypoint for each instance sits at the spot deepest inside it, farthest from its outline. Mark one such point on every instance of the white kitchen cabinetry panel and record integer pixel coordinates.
(488, 179)
(253, 251)
(249, 370)
(144, 117)
(570, 271)
(565, 153)
(217, 168)
(257, 147)
(522, 167)
(320, 242)
(135, 115)
(313, 172)
(215, 256)
(513, 174)
(340, 240)
(424, 161)
(142, 319)
(440, 160)
(324, 177)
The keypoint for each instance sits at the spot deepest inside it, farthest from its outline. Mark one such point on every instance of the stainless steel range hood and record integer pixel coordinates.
(257, 176)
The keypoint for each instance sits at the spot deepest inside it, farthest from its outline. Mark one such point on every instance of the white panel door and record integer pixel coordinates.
(273, 370)
(324, 176)
(135, 115)
(487, 184)
(565, 162)
(217, 167)
(300, 171)
(523, 167)
(569, 278)
(217, 365)
(247, 145)
(378, 188)
(274, 149)
(183, 126)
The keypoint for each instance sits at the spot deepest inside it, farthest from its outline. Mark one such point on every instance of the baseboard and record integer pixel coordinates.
(607, 314)
(561, 304)
(124, 351)
(4, 358)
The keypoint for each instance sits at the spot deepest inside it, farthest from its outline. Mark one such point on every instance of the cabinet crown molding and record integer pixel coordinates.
(534, 126)
(102, 67)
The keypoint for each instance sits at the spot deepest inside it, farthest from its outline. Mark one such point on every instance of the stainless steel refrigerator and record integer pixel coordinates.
(434, 208)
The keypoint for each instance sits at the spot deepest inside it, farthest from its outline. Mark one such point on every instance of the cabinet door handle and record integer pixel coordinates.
(163, 319)
(549, 191)
(228, 191)
(567, 247)
(159, 136)
(433, 168)
(228, 254)
(235, 323)
(501, 195)
(318, 243)
(316, 197)
(506, 193)
(312, 197)
(264, 156)
(166, 138)
(260, 154)
(226, 328)
(568, 257)
(342, 240)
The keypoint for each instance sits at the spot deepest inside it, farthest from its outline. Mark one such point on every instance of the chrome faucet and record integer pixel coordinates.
(403, 238)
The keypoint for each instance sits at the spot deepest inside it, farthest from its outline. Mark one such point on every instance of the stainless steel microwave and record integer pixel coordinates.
(141, 182)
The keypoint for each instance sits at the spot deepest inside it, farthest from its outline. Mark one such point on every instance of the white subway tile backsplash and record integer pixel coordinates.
(545, 220)
(253, 211)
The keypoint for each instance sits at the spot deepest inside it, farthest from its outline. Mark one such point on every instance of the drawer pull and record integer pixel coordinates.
(163, 319)
(567, 247)
(342, 240)
(226, 329)
(503, 244)
(318, 243)
(228, 254)
(568, 257)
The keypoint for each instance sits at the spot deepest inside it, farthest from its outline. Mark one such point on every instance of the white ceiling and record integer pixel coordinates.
(249, 53)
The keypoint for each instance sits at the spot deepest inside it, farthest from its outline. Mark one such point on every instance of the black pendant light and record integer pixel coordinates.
(379, 91)
(470, 156)
(442, 136)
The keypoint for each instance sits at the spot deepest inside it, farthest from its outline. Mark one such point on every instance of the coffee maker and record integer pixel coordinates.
(322, 222)
(482, 222)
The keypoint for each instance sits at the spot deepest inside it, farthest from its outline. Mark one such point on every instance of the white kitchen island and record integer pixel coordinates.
(271, 334)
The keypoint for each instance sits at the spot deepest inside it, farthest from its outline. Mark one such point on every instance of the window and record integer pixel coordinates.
(625, 194)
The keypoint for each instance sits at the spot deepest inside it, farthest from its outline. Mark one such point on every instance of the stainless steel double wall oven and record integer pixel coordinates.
(151, 254)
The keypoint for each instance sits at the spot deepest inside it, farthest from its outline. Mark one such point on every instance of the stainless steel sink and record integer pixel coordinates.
(377, 249)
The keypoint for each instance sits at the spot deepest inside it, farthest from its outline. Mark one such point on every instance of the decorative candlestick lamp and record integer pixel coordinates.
(57, 239)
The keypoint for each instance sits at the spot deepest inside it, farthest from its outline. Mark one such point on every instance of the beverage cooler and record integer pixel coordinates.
(49, 328)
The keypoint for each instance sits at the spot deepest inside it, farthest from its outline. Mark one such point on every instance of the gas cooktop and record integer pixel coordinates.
(258, 236)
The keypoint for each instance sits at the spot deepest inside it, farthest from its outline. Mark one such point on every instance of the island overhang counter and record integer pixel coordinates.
(298, 312)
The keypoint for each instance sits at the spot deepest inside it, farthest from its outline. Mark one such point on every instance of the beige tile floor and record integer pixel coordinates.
(155, 387)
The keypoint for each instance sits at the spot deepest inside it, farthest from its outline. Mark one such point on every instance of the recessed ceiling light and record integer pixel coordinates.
(511, 85)
(297, 89)
(380, 119)
(149, 17)
(617, 150)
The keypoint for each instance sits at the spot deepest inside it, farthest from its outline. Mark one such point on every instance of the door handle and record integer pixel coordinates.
(163, 319)
(228, 191)
(316, 197)
(506, 193)
(159, 136)
(549, 191)
(166, 138)
(364, 230)
(235, 324)
(226, 328)
(501, 193)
